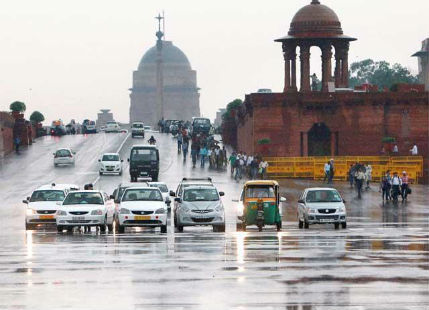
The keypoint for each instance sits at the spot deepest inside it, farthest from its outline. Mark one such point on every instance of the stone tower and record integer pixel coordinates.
(423, 56)
(164, 85)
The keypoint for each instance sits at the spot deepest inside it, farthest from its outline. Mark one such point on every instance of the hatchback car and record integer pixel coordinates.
(110, 163)
(86, 208)
(137, 129)
(42, 204)
(142, 207)
(200, 206)
(112, 127)
(321, 206)
(164, 191)
(64, 157)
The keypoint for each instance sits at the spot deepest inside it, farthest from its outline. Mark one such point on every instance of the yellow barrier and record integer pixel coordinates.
(313, 167)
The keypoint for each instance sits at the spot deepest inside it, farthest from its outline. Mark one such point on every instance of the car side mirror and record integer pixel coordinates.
(283, 199)
(178, 200)
(99, 160)
(301, 201)
(221, 194)
(172, 194)
(25, 201)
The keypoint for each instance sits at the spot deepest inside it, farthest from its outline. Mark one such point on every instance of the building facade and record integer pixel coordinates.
(103, 117)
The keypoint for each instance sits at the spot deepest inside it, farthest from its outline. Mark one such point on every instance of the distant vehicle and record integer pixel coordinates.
(200, 206)
(110, 163)
(265, 91)
(119, 191)
(42, 204)
(137, 129)
(321, 206)
(57, 128)
(142, 207)
(88, 126)
(86, 208)
(64, 156)
(144, 162)
(112, 127)
(201, 125)
(164, 191)
(148, 129)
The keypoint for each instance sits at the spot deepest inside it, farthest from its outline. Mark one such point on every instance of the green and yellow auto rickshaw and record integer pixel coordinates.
(260, 205)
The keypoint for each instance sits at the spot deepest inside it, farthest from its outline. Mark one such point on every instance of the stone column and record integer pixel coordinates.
(338, 69)
(326, 66)
(287, 67)
(290, 67)
(345, 68)
(293, 64)
(305, 68)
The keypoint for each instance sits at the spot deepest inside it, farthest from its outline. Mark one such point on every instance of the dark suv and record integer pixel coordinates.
(144, 162)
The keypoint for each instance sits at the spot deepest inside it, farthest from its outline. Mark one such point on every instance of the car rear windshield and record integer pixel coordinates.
(260, 192)
(323, 196)
(142, 195)
(201, 194)
(110, 158)
(80, 198)
(143, 155)
(163, 188)
(62, 153)
(138, 126)
(47, 195)
(202, 122)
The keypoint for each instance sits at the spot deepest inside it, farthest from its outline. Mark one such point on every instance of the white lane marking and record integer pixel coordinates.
(119, 150)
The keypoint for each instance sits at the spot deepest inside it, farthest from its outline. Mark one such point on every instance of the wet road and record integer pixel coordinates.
(381, 261)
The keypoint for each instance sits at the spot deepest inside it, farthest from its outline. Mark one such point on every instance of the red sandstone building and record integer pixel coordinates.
(335, 121)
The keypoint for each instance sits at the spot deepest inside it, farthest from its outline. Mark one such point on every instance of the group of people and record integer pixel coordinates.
(394, 186)
(243, 165)
(359, 176)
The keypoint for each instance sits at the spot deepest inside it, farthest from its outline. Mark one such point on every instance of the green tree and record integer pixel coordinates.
(232, 105)
(17, 106)
(380, 73)
(37, 117)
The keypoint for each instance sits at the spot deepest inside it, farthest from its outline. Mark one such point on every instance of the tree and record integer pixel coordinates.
(37, 117)
(17, 106)
(380, 73)
(231, 106)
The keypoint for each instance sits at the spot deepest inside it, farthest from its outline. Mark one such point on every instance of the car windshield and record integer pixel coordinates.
(201, 122)
(143, 155)
(201, 194)
(47, 195)
(136, 194)
(137, 125)
(110, 158)
(62, 153)
(260, 192)
(83, 198)
(323, 196)
(162, 187)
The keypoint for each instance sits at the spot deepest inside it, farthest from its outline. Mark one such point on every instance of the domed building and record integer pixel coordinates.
(164, 86)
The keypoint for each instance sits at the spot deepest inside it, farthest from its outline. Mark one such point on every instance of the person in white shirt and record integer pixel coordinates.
(263, 169)
(414, 151)
(326, 169)
(396, 185)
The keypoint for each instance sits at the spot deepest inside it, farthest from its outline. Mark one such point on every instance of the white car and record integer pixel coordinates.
(142, 207)
(200, 206)
(321, 206)
(137, 129)
(42, 204)
(112, 127)
(86, 208)
(64, 157)
(164, 191)
(110, 163)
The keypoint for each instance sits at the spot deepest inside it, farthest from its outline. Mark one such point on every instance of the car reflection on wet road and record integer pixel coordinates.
(379, 262)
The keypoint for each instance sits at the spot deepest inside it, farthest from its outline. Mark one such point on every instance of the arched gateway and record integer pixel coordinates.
(319, 140)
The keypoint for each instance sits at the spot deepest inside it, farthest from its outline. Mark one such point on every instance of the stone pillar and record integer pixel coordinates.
(326, 66)
(305, 144)
(287, 67)
(338, 69)
(290, 67)
(345, 68)
(305, 68)
(293, 64)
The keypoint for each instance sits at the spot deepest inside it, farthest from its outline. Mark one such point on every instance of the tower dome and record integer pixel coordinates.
(170, 56)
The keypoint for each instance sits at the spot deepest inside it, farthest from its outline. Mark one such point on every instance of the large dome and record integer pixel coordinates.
(315, 20)
(171, 55)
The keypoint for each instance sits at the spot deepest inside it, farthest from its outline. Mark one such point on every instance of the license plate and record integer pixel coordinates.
(326, 220)
(143, 173)
(78, 218)
(142, 218)
(46, 217)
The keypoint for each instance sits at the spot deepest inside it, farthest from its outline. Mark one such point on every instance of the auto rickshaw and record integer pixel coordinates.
(260, 205)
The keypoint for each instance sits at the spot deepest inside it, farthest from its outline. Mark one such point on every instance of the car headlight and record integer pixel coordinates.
(184, 209)
(160, 211)
(124, 211)
(97, 212)
(219, 208)
(341, 209)
(31, 211)
(61, 213)
(311, 211)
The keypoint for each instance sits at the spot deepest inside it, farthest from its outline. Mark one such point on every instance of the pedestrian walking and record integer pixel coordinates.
(194, 154)
(351, 175)
(17, 142)
(331, 171)
(232, 160)
(179, 142)
(263, 166)
(185, 146)
(414, 151)
(326, 169)
(203, 155)
(405, 189)
(254, 166)
(360, 179)
(368, 175)
(396, 186)
(395, 150)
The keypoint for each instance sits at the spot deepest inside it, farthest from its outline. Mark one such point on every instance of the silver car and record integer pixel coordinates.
(321, 206)
(200, 206)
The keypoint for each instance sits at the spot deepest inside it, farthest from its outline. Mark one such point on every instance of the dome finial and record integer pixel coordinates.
(315, 2)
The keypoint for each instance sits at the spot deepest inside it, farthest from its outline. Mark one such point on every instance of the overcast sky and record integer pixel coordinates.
(68, 59)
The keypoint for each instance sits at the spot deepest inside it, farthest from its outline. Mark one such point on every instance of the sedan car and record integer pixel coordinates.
(86, 208)
(321, 206)
(142, 207)
(42, 204)
(200, 206)
(112, 127)
(64, 157)
(164, 191)
(110, 163)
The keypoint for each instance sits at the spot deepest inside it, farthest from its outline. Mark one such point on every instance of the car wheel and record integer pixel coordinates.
(179, 228)
(100, 173)
(164, 229)
(344, 225)
(306, 225)
(120, 173)
(55, 165)
(300, 224)
(60, 229)
(279, 226)
(103, 228)
(70, 229)
(337, 225)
